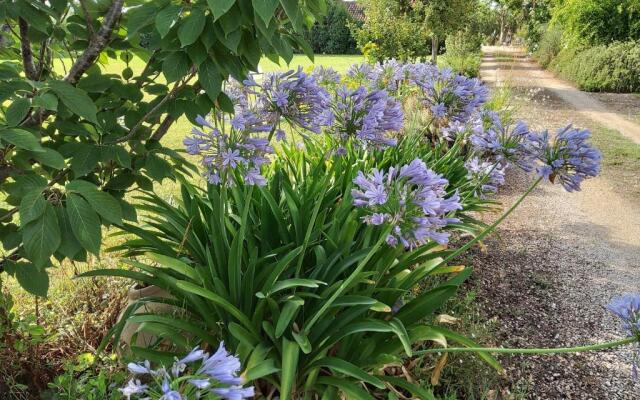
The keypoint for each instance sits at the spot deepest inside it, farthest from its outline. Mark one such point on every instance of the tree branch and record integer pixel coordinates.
(25, 48)
(97, 44)
(169, 96)
(87, 59)
(163, 128)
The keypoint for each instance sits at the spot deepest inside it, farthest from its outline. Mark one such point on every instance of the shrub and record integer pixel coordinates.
(332, 34)
(394, 33)
(463, 53)
(608, 68)
(595, 22)
(550, 45)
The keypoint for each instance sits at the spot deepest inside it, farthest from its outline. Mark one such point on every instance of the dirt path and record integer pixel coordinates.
(524, 72)
(561, 257)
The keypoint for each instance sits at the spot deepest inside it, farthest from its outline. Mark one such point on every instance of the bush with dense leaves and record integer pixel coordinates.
(607, 68)
(550, 45)
(332, 35)
(593, 22)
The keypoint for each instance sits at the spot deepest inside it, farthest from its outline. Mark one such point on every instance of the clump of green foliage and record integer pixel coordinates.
(550, 45)
(392, 30)
(332, 34)
(605, 68)
(595, 22)
(463, 53)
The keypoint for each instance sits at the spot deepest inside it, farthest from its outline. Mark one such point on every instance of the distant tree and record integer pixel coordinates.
(332, 34)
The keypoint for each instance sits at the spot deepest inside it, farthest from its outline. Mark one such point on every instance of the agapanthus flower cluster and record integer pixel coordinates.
(486, 176)
(359, 73)
(241, 146)
(411, 200)
(367, 116)
(501, 143)
(567, 157)
(386, 75)
(326, 76)
(293, 96)
(449, 96)
(195, 376)
(627, 308)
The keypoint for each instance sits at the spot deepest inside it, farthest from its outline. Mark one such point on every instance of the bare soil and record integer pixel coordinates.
(559, 259)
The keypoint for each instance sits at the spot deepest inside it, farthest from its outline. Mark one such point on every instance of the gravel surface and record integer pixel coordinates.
(554, 266)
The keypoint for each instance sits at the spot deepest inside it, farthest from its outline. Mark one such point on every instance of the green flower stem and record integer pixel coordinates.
(492, 227)
(557, 350)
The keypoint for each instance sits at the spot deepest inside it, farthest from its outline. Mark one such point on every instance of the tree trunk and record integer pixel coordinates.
(502, 18)
(435, 45)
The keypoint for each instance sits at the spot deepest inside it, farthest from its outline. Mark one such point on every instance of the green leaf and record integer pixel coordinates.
(21, 139)
(425, 304)
(41, 237)
(102, 202)
(16, 111)
(157, 168)
(85, 159)
(46, 100)
(265, 9)
(220, 7)
(191, 28)
(174, 264)
(488, 358)
(32, 279)
(345, 367)
(351, 390)
(50, 158)
(289, 283)
(209, 78)
(32, 206)
(84, 223)
(288, 313)
(292, 9)
(176, 65)
(69, 245)
(265, 368)
(166, 18)
(290, 353)
(77, 100)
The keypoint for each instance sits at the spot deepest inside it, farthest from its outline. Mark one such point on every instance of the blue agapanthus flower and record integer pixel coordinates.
(359, 73)
(326, 76)
(503, 144)
(387, 75)
(627, 308)
(567, 157)
(369, 117)
(410, 199)
(294, 97)
(194, 376)
(450, 96)
(242, 146)
(485, 175)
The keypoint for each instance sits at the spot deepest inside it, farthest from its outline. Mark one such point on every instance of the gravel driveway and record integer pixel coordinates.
(558, 260)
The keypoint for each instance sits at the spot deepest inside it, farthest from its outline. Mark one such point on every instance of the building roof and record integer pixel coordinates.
(355, 10)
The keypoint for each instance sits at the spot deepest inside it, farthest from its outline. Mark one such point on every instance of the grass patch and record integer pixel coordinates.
(338, 62)
(621, 160)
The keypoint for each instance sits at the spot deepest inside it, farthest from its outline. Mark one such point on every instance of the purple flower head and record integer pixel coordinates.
(133, 387)
(450, 97)
(211, 375)
(293, 96)
(326, 76)
(240, 147)
(627, 308)
(222, 366)
(487, 177)
(503, 144)
(367, 117)
(359, 73)
(168, 393)
(410, 200)
(568, 157)
(386, 76)
(235, 392)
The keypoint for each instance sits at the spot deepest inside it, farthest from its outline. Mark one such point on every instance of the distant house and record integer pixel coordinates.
(355, 10)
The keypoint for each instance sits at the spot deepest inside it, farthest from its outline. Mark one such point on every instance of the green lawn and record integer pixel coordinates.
(338, 62)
